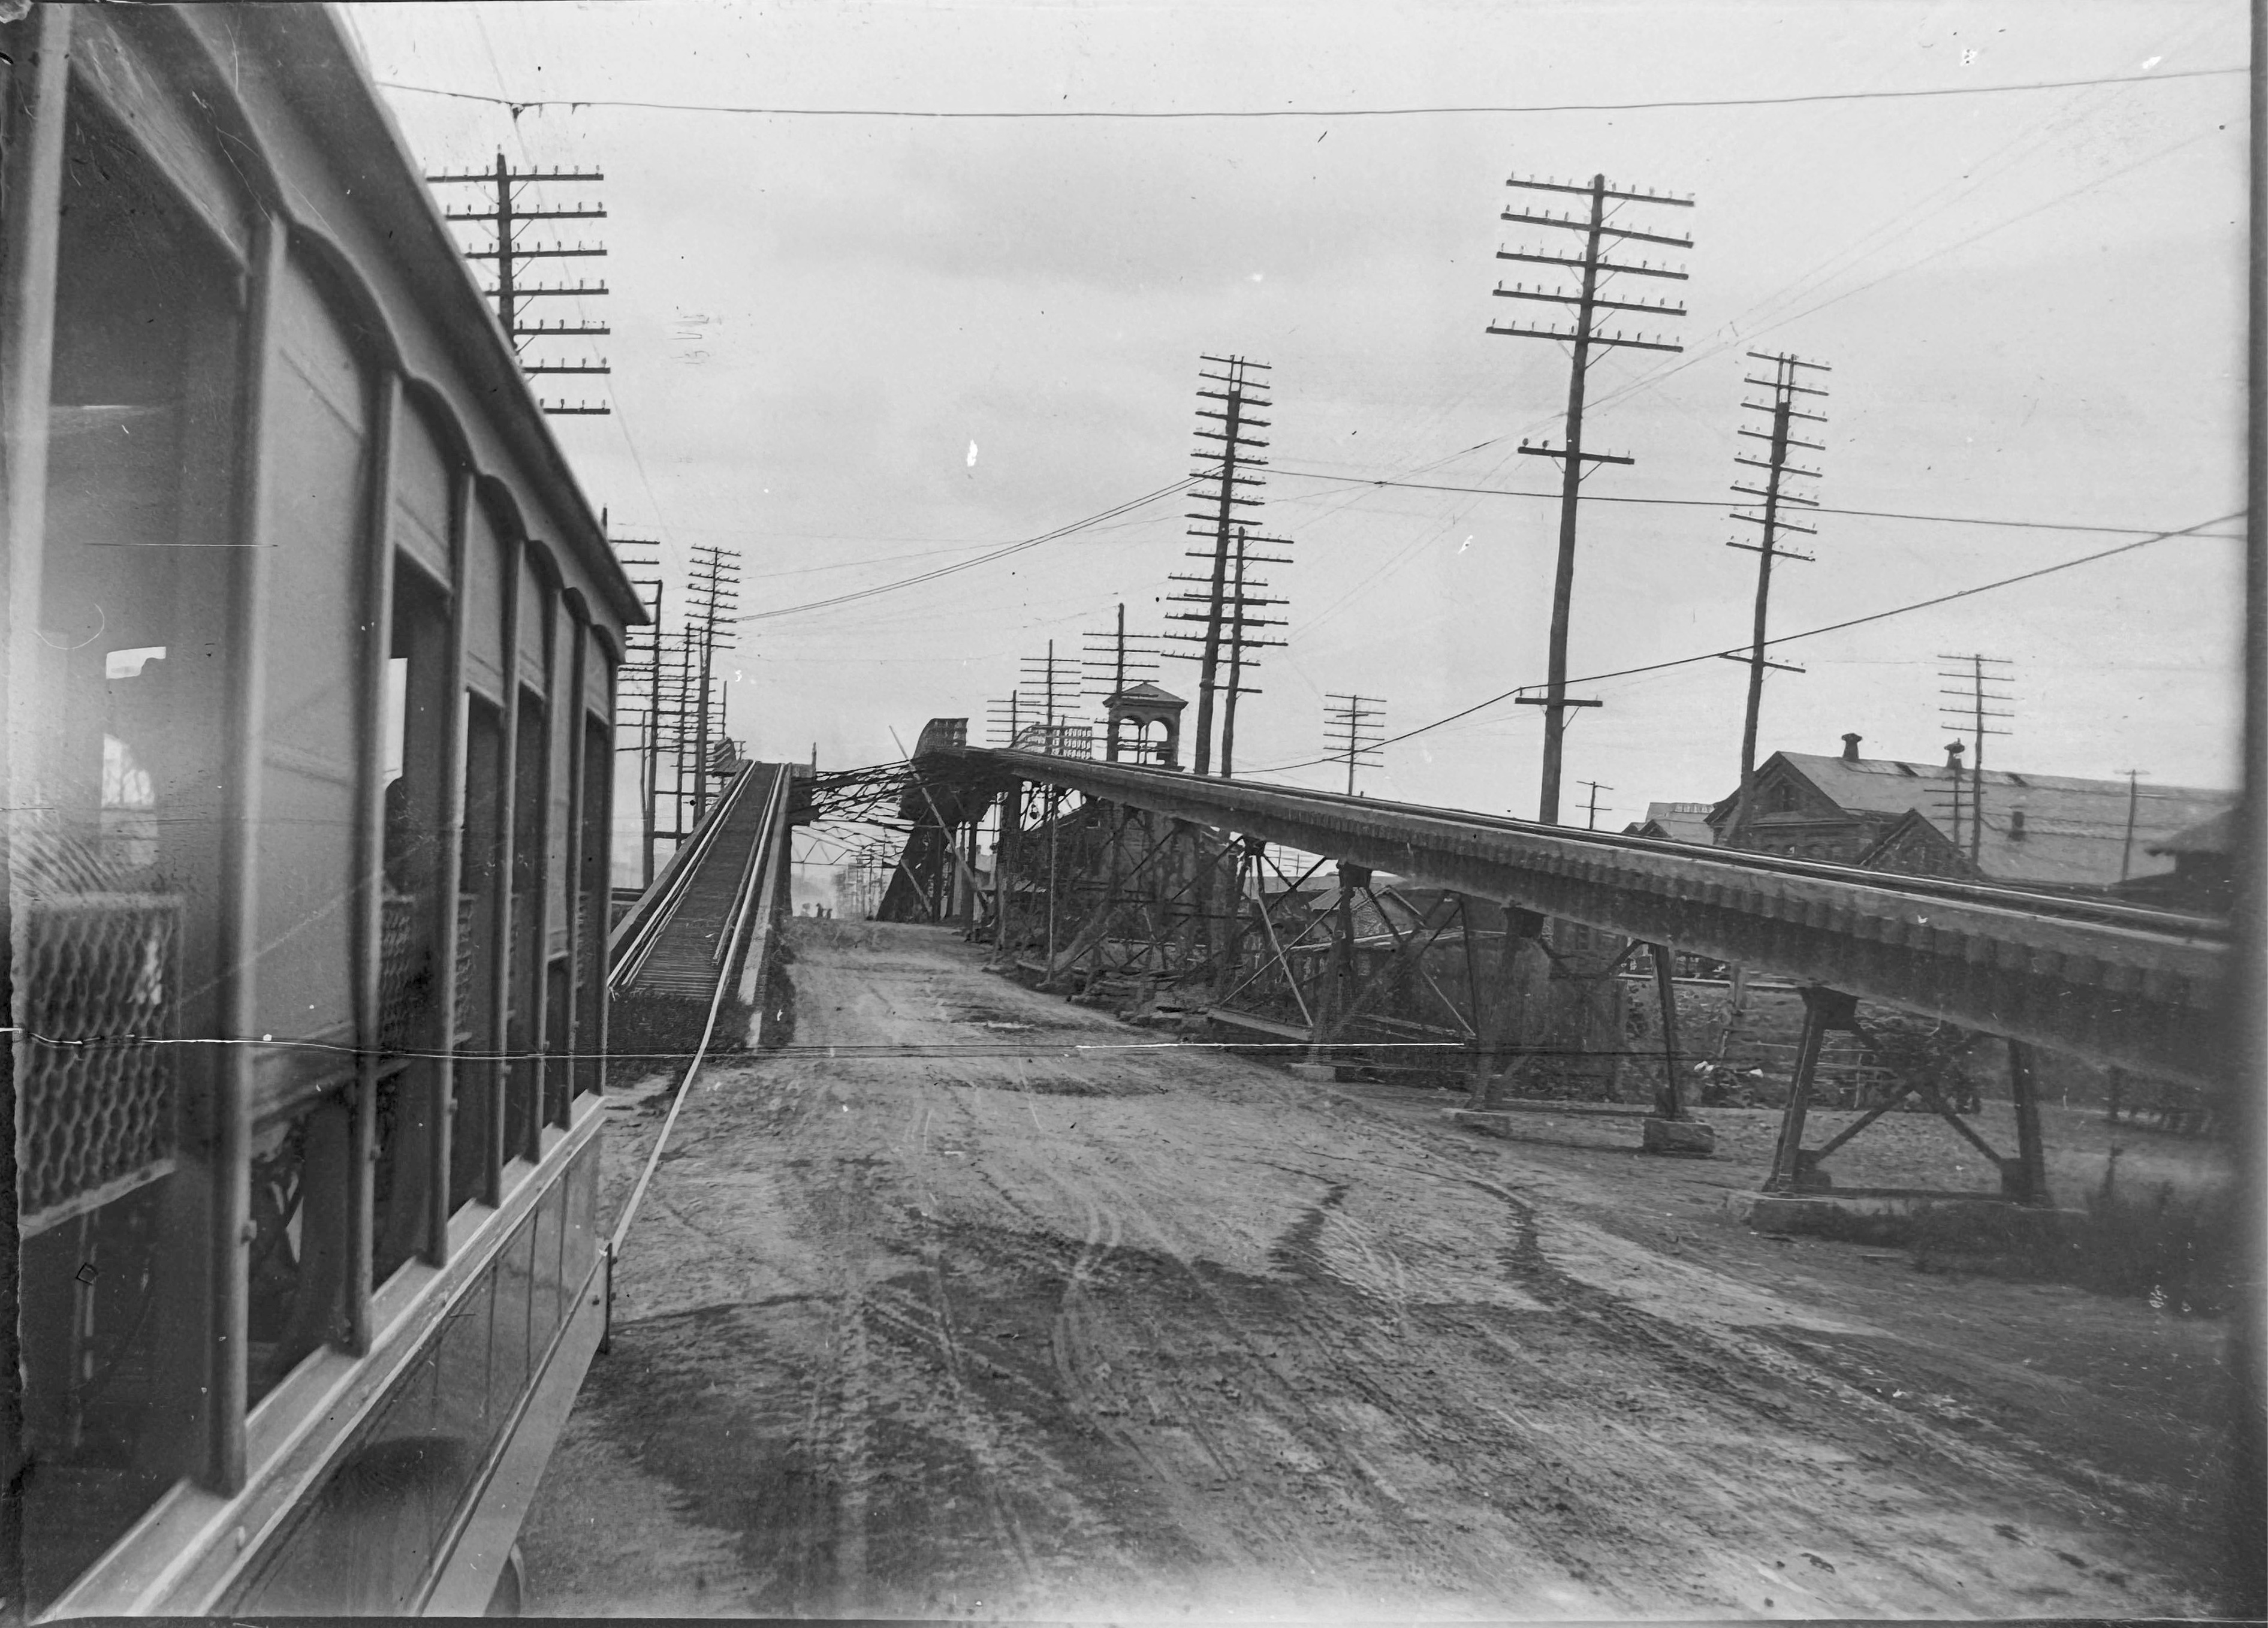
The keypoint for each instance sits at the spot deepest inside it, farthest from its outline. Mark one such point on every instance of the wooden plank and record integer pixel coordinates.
(1546, 1105)
(1256, 1023)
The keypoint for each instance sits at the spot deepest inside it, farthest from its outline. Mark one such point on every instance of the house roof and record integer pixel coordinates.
(2073, 830)
(2217, 835)
(1914, 837)
(1681, 822)
(1147, 691)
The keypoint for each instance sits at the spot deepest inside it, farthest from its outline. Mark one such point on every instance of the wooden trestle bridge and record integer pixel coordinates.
(1496, 953)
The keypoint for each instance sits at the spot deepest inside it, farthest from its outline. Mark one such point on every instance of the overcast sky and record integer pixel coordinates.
(859, 348)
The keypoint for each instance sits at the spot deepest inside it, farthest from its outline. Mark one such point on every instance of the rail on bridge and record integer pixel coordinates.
(697, 944)
(1501, 951)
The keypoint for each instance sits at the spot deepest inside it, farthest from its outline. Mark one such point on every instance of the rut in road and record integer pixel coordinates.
(992, 1323)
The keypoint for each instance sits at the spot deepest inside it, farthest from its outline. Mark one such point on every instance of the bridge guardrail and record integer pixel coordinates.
(633, 938)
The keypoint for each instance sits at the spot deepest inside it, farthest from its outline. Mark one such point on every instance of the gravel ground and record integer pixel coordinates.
(1022, 1313)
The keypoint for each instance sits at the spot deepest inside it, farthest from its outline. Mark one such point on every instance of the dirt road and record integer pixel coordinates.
(1022, 1313)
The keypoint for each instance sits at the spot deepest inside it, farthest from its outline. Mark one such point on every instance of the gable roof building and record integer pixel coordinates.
(2204, 877)
(1676, 822)
(2053, 830)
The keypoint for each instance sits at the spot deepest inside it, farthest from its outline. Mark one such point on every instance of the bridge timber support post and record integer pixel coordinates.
(969, 878)
(1334, 993)
(1798, 1170)
(1795, 1169)
(2025, 1177)
(1517, 1017)
(1672, 1130)
(1004, 873)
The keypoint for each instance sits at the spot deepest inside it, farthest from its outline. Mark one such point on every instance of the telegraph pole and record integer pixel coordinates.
(640, 684)
(506, 214)
(1044, 672)
(1584, 337)
(1235, 608)
(678, 654)
(1237, 643)
(2133, 807)
(1974, 695)
(1773, 497)
(1352, 729)
(1592, 822)
(1227, 471)
(1003, 715)
(716, 573)
(1112, 658)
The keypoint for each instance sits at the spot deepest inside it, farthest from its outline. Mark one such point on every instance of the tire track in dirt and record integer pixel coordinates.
(1729, 1370)
(1327, 1347)
(1072, 1344)
(1291, 1383)
(1002, 1518)
(1013, 1282)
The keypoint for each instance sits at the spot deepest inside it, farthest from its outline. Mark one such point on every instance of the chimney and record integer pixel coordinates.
(2016, 825)
(1952, 751)
(1851, 749)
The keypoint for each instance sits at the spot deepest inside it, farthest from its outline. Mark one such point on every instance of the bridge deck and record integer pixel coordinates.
(2133, 988)
(975, 1303)
(684, 955)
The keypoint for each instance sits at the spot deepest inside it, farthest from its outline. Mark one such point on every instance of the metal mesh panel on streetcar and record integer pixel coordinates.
(96, 1119)
(405, 976)
(468, 999)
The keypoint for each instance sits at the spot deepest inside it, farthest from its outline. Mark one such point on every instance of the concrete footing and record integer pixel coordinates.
(1687, 1137)
(1887, 1217)
(1321, 1074)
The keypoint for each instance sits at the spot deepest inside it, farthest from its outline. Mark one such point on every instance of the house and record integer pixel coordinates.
(2204, 877)
(1676, 822)
(1919, 819)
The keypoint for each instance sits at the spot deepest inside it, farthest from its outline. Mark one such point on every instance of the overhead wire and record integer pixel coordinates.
(1162, 114)
(2072, 113)
(1717, 503)
(1740, 331)
(1784, 638)
(1094, 522)
(1749, 336)
(1060, 532)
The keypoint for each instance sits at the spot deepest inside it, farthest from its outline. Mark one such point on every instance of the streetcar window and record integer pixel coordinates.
(591, 903)
(117, 858)
(558, 901)
(510, 1332)
(546, 1302)
(299, 1197)
(558, 898)
(467, 1415)
(411, 1018)
(398, 1188)
(523, 1025)
(395, 719)
(557, 1076)
(476, 1037)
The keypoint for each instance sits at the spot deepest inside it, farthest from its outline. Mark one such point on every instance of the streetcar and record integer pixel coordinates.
(310, 675)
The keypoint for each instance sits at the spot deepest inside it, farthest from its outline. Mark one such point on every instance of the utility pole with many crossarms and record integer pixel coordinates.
(1584, 337)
